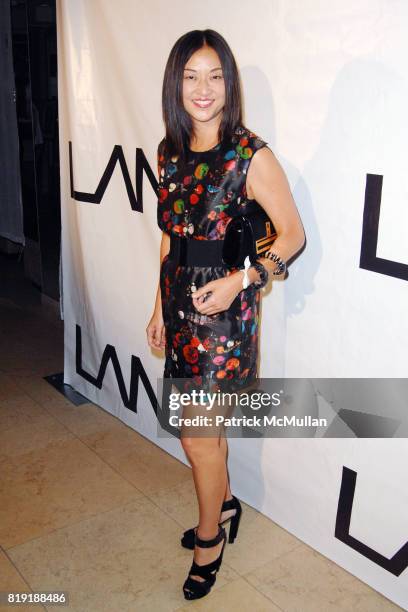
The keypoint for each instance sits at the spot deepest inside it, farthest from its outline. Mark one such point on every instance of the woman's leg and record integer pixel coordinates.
(207, 456)
(226, 514)
(210, 480)
(224, 449)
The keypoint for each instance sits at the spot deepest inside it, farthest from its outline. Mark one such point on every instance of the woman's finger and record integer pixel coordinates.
(149, 332)
(163, 337)
(210, 309)
(154, 337)
(205, 306)
(201, 299)
(203, 290)
(213, 312)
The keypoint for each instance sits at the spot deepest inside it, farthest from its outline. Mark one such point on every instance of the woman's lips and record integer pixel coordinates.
(203, 103)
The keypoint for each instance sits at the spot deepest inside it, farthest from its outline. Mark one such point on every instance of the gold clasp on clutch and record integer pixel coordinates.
(263, 244)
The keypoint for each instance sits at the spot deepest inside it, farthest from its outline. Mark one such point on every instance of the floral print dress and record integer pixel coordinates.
(196, 200)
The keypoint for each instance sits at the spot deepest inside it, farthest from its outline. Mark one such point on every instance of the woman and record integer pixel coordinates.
(205, 315)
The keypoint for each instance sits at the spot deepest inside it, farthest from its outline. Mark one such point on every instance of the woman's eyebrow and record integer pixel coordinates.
(212, 69)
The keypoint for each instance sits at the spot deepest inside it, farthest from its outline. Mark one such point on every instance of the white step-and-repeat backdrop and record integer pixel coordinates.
(326, 85)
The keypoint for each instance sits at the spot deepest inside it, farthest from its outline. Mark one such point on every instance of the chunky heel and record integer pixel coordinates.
(195, 589)
(233, 532)
(232, 504)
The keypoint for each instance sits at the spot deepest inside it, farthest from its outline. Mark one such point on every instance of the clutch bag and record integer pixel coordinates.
(247, 235)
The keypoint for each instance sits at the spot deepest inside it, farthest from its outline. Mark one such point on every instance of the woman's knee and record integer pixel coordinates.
(200, 449)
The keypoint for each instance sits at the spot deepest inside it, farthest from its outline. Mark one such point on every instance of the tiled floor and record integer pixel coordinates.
(90, 507)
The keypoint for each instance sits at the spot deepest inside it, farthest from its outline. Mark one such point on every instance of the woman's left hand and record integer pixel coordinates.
(222, 292)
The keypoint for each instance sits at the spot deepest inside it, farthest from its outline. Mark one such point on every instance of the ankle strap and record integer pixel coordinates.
(209, 543)
(230, 504)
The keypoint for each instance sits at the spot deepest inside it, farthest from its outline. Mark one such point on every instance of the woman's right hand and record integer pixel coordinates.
(156, 331)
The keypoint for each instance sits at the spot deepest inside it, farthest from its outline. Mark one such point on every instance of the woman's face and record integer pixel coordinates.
(203, 85)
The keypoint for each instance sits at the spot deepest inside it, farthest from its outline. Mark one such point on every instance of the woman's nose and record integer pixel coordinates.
(203, 87)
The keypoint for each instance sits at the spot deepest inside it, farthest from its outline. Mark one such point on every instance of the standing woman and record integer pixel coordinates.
(206, 315)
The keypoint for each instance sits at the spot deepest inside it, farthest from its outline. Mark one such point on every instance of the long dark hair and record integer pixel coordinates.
(177, 121)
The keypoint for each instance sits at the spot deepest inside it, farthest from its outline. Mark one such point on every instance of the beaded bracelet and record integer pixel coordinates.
(263, 273)
(281, 267)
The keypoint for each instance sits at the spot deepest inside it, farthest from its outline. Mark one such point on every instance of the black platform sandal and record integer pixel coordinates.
(232, 504)
(195, 589)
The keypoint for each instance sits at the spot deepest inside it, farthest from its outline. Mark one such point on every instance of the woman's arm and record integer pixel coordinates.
(156, 332)
(266, 182)
(164, 250)
(165, 239)
(164, 246)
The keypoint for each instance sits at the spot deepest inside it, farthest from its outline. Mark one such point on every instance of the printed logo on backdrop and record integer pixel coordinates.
(397, 563)
(369, 239)
(117, 156)
(110, 356)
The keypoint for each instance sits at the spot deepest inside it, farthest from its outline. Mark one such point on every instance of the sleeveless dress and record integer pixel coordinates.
(196, 200)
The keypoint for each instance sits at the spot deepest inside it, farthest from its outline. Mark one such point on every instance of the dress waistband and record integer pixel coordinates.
(193, 252)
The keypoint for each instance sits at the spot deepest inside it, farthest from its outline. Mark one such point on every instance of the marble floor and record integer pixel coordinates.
(90, 507)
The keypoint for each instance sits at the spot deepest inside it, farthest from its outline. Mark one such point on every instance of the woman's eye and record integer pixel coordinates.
(191, 76)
